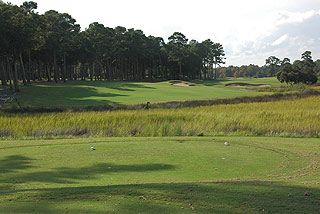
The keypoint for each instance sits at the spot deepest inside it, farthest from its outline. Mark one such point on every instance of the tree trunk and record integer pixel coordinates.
(48, 72)
(82, 73)
(91, 71)
(15, 76)
(22, 69)
(3, 74)
(64, 70)
(215, 71)
(55, 69)
(108, 70)
(179, 70)
(200, 76)
(39, 71)
(9, 72)
(29, 67)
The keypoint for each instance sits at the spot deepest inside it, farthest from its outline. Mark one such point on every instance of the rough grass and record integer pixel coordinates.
(160, 175)
(15, 107)
(298, 117)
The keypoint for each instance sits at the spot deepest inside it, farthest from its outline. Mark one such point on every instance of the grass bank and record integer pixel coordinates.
(294, 118)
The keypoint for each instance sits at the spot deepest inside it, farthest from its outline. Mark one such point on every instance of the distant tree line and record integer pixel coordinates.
(300, 71)
(305, 70)
(51, 47)
(243, 71)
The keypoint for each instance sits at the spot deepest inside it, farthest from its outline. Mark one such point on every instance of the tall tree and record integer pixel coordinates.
(219, 58)
(177, 50)
(273, 63)
(285, 61)
(299, 71)
(60, 29)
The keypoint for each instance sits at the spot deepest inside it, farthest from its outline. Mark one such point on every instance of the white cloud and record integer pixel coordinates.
(286, 17)
(289, 36)
(280, 40)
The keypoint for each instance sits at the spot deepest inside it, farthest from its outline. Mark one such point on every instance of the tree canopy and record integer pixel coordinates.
(51, 46)
(301, 71)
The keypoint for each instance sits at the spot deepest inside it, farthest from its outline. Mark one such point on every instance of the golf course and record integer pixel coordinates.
(107, 107)
(161, 160)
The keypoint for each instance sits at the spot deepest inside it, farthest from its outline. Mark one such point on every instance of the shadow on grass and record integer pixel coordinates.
(13, 163)
(76, 93)
(65, 174)
(64, 95)
(121, 86)
(215, 197)
(209, 82)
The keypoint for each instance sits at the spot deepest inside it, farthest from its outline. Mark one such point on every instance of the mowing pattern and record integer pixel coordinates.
(300, 117)
(165, 175)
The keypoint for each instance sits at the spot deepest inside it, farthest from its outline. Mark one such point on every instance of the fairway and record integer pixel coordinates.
(81, 93)
(168, 175)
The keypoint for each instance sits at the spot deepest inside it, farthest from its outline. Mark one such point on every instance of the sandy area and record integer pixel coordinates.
(181, 84)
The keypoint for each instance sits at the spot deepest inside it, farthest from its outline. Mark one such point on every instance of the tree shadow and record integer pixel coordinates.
(66, 95)
(186, 197)
(208, 82)
(213, 197)
(121, 86)
(77, 93)
(14, 163)
(68, 175)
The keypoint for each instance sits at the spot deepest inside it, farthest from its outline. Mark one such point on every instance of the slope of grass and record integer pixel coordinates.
(160, 175)
(300, 117)
(272, 81)
(80, 93)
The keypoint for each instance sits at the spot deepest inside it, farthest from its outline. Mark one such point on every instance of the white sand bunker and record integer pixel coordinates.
(179, 83)
(182, 84)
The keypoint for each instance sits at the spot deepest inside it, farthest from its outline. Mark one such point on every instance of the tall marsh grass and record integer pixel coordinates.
(299, 117)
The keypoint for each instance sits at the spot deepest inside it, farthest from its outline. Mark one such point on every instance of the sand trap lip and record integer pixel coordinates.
(247, 85)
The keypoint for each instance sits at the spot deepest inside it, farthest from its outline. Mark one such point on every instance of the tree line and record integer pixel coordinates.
(52, 47)
(304, 70)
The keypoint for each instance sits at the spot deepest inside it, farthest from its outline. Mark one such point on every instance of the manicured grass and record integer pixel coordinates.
(272, 81)
(81, 93)
(299, 117)
(160, 175)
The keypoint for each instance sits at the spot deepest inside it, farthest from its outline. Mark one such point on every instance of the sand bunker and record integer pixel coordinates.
(179, 83)
(182, 84)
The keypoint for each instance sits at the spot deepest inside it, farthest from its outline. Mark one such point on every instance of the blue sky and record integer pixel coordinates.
(249, 30)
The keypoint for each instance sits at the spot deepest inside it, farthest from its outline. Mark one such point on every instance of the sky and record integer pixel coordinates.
(249, 30)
